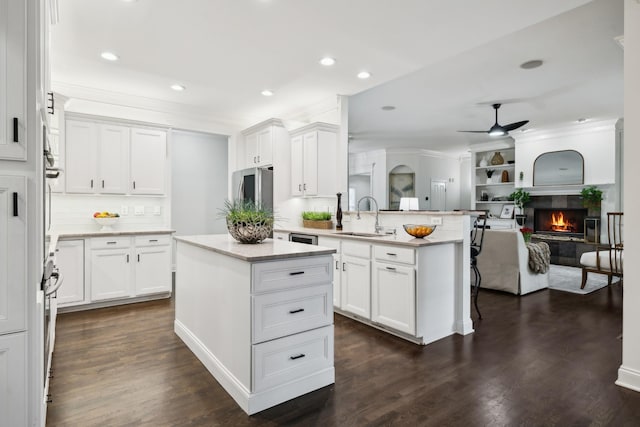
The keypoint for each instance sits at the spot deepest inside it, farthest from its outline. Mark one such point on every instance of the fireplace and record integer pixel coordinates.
(560, 221)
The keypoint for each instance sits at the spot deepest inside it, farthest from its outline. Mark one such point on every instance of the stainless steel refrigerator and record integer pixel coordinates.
(255, 184)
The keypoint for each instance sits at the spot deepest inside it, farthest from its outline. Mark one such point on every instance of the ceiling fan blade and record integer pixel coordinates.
(474, 131)
(514, 126)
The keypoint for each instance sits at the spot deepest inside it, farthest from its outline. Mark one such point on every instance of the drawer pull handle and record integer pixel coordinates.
(391, 268)
(296, 273)
(297, 356)
(390, 254)
(298, 310)
(15, 130)
(111, 243)
(15, 204)
(153, 240)
(127, 258)
(337, 266)
(344, 267)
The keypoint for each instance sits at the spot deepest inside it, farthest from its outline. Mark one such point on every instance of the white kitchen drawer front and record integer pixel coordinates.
(153, 240)
(395, 254)
(356, 249)
(279, 314)
(276, 275)
(110, 242)
(329, 243)
(286, 359)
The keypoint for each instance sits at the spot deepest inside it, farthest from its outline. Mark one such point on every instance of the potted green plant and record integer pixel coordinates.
(317, 220)
(520, 198)
(592, 199)
(489, 174)
(247, 221)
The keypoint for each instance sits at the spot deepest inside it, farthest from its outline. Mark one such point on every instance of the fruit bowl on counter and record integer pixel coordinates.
(418, 230)
(106, 220)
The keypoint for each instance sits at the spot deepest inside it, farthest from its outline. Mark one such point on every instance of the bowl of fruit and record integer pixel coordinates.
(106, 219)
(419, 231)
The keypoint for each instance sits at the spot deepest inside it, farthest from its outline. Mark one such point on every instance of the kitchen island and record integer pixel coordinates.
(259, 317)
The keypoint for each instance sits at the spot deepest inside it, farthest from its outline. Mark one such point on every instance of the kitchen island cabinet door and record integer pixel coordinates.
(356, 286)
(81, 151)
(148, 161)
(393, 296)
(70, 261)
(110, 274)
(153, 270)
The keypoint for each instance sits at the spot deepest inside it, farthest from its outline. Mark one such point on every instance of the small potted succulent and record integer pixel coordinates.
(317, 220)
(247, 221)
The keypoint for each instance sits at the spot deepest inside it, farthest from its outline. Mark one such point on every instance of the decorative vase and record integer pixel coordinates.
(505, 176)
(483, 162)
(247, 232)
(497, 159)
(489, 180)
(339, 213)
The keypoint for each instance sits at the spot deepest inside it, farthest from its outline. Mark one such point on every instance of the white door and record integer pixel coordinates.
(438, 194)
(70, 261)
(13, 224)
(393, 296)
(13, 372)
(310, 164)
(110, 274)
(153, 270)
(81, 151)
(296, 165)
(148, 161)
(113, 156)
(356, 286)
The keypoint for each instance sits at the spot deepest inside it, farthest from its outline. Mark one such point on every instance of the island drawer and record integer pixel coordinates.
(394, 254)
(296, 356)
(306, 271)
(278, 314)
(110, 242)
(153, 240)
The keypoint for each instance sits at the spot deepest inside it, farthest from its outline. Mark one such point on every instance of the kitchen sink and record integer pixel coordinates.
(358, 234)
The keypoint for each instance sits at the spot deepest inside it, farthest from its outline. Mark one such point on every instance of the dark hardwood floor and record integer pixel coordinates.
(549, 358)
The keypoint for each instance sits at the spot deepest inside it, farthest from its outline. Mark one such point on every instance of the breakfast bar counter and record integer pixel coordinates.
(258, 316)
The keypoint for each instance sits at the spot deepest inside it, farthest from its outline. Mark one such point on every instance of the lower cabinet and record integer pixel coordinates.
(393, 296)
(356, 278)
(101, 269)
(13, 379)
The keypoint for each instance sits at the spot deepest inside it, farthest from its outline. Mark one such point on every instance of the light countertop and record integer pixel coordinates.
(268, 250)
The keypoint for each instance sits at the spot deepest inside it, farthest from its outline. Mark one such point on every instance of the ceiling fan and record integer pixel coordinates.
(499, 130)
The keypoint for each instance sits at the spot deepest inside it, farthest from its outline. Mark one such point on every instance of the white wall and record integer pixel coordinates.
(629, 372)
(199, 182)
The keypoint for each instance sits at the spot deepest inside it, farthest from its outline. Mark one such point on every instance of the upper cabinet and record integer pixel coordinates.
(148, 161)
(108, 158)
(13, 40)
(259, 143)
(313, 160)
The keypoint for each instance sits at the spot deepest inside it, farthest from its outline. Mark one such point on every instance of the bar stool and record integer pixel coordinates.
(477, 237)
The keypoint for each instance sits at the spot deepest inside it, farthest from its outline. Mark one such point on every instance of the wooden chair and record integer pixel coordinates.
(607, 260)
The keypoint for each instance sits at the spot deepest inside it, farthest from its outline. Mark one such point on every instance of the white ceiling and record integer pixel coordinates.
(454, 54)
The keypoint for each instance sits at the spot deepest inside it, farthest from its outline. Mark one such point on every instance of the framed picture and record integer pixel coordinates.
(400, 185)
(507, 211)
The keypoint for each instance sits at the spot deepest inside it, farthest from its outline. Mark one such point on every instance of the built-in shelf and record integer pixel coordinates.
(503, 166)
(502, 202)
(493, 190)
(495, 184)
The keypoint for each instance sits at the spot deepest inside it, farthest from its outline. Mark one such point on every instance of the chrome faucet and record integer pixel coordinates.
(377, 226)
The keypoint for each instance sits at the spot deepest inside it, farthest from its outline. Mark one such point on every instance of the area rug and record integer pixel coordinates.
(568, 279)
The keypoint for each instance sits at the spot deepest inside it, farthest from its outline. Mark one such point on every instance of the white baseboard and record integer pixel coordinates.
(628, 378)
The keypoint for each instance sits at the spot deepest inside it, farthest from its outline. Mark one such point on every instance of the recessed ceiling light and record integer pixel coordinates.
(267, 92)
(388, 108)
(535, 63)
(364, 75)
(109, 56)
(582, 120)
(327, 61)
(178, 88)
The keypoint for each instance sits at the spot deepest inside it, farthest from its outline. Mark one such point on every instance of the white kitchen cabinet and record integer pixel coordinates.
(148, 161)
(260, 142)
(13, 45)
(152, 264)
(13, 380)
(313, 160)
(13, 250)
(111, 274)
(337, 267)
(393, 296)
(71, 263)
(96, 157)
(356, 278)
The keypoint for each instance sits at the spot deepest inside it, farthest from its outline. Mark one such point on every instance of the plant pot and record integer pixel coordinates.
(521, 219)
(323, 224)
(250, 232)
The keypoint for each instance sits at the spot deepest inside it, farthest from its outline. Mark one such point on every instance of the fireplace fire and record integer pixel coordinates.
(566, 221)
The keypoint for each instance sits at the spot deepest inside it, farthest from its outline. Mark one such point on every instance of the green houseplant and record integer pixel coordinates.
(591, 199)
(317, 220)
(520, 198)
(247, 221)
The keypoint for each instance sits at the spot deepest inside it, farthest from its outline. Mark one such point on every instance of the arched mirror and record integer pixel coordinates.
(401, 184)
(559, 168)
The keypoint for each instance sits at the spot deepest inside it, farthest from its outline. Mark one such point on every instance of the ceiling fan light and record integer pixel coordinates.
(496, 131)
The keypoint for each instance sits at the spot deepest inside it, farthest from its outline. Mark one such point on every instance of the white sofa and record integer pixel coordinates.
(504, 264)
